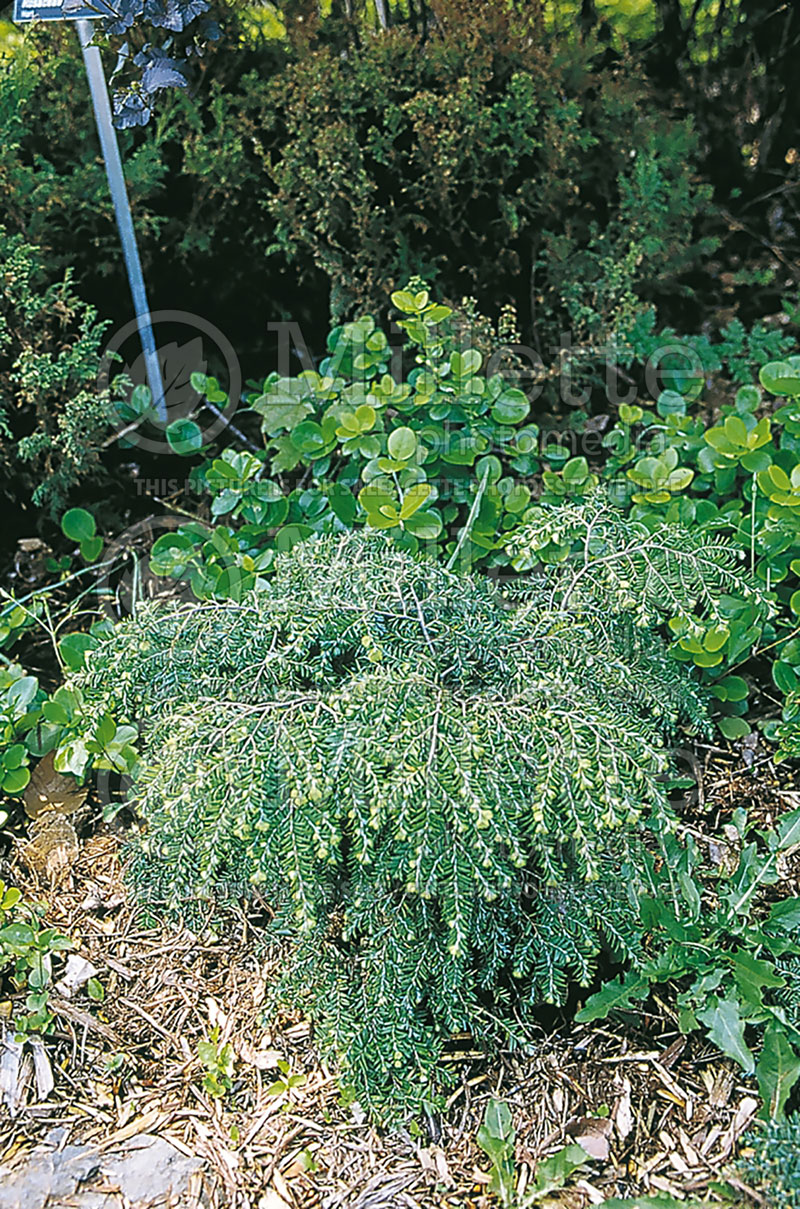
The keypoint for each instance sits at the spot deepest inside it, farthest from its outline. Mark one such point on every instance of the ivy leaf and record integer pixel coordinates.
(173, 15)
(130, 109)
(777, 1072)
(284, 405)
(613, 997)
(726, 1030)
(125, 12)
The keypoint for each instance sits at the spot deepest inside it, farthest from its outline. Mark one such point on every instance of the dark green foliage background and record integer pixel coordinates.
(317, 174)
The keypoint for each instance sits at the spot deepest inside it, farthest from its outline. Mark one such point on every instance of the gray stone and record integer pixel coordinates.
(46, 1176)
(149, 1167)
(147, 1170)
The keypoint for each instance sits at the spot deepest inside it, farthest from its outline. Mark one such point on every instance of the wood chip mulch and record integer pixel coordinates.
(658, 1113)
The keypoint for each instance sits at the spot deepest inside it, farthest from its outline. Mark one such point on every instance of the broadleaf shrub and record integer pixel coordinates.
(728, 466)
(438, 450)
(431, 783)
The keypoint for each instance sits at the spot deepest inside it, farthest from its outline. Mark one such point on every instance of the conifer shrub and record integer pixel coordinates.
(54, 417)
(434, 782)
(772, 1165)
(571, 192)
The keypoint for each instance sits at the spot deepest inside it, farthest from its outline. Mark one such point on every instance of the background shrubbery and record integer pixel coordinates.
(551, 156)
(54, 412)
(485, 156)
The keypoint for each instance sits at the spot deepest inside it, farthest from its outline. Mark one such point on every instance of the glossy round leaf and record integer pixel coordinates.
(17, 934)
(369, 447)
(73, 648)
(756, 460)
(733, 728)
(413, 499)
(13, 756)
(309, 438)
(576, 471)
(402, 444)
(91, 548)
(511, 408)
(670, 403)
(365, 416)
(15, 780)
(731, 688)
(748, 398)
(679, 479)
(785, 676)
(780, 378)
(425, 525)
(290, 535)
(343, 504)
(464, 365)
(184, 437)
(736, 430)
(404, 300)
(141, 400)
(78, 525)
(491, 467)
(517, 499)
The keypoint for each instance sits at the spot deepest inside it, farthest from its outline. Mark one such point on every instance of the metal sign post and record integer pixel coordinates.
(54, 10)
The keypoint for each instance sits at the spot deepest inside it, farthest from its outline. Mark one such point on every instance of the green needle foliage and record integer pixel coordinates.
(431, 780)
(773, 1165)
